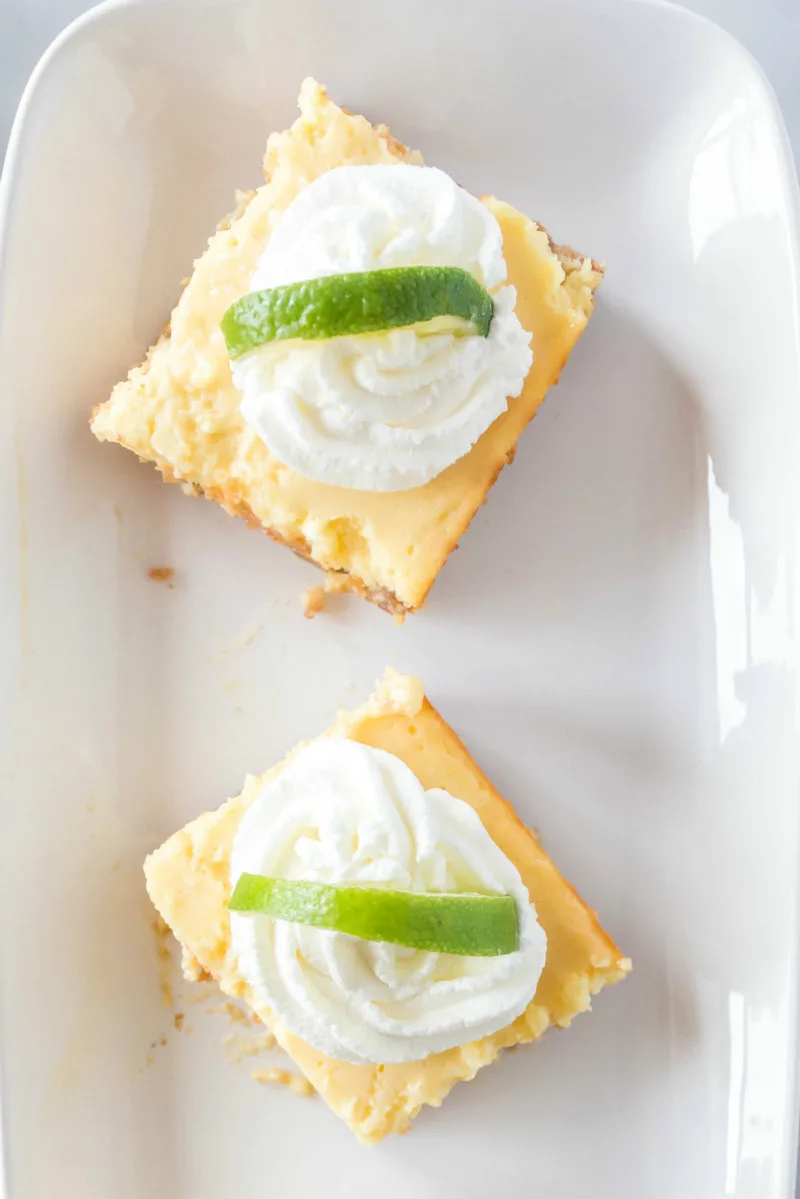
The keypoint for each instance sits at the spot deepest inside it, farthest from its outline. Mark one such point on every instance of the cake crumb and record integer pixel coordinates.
(248, 1045)
(163, 936)
(398, 618)
(162, 574)
(313, 602)
(235, 1014)
(177, 1020)
(284, 1078)
(336, 583)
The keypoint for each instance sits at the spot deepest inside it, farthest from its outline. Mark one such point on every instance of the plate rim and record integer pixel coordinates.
(105, 13)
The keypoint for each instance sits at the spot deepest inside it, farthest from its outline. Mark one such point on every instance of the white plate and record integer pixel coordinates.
(615, 639)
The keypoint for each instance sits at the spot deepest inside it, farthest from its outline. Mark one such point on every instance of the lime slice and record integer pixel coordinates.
(363, 302)
(474, 925)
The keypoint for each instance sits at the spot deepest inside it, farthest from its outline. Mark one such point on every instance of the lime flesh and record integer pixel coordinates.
(473, 925)
(362, 302)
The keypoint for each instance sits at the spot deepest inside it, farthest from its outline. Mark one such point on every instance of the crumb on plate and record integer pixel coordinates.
(284, 1078)
(249, 1044)
(336, 583)
(162, 574)
(313, 602)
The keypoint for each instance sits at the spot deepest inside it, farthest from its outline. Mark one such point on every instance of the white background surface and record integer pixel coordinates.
(771, 28)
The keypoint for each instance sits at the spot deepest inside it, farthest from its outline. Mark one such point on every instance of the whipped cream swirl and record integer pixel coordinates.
(383, 411)
(342, 812)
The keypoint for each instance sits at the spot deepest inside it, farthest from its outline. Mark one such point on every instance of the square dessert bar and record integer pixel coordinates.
(188, 881)
(180, 410)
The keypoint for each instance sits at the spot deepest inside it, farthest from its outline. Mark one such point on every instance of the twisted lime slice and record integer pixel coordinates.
(363, 302)
(474, 925)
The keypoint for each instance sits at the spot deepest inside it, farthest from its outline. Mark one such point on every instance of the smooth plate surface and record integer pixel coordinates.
(615, 640)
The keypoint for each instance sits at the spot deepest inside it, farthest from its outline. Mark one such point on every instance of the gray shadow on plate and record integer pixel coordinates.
(615, 462)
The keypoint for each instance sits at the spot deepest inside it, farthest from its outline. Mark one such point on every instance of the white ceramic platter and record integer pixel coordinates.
(616, 639)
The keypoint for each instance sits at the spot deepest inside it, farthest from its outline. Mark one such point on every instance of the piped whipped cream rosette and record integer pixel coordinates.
(360, 384)
(344, 824)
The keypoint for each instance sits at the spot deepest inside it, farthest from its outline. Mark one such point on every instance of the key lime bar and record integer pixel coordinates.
(180, 410)
(188, 879)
